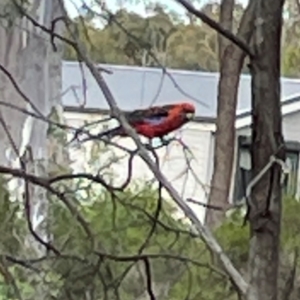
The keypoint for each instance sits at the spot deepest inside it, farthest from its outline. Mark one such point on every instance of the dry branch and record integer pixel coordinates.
(115, 112)
(231, 66)
(216, 26)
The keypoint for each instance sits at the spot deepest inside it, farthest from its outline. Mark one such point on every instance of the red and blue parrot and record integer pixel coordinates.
(154, 122)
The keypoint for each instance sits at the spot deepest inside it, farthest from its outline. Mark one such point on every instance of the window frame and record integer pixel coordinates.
(244, 142)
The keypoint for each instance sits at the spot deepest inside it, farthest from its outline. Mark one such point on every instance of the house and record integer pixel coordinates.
(136, 87)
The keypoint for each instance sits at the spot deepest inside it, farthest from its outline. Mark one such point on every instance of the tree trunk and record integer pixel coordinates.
(47, 70)
(11, 52)
(33, 74)
(267, 140)
(231, 66)
(58, 153)
(226, 20)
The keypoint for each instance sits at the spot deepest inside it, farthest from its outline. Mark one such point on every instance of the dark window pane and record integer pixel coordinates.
(290, 187)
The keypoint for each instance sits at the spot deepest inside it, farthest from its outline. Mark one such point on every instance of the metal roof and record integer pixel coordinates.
(135, 87)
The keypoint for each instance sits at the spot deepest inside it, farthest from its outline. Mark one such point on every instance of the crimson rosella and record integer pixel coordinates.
(156, 121)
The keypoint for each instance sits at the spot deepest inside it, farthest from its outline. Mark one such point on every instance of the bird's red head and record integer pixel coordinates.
(188, 109)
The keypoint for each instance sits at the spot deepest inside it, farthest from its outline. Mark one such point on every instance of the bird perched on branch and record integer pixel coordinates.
(154, 122)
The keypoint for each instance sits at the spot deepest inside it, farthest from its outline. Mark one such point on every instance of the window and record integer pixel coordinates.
(292, 160)
(243, 170)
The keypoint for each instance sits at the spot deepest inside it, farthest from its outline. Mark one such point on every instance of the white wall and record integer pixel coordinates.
(290, 127)
(190, 182)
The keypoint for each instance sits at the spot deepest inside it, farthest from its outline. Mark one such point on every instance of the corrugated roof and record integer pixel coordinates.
(136, 87)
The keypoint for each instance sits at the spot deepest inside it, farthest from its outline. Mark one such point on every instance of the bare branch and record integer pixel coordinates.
(115, 112)
(148, 279)
(46, 183)
(216, 26)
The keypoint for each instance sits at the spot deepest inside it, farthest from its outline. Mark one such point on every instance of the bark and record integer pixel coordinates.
(34, 76)
(11, 52)
(226, 20)
(267, 140)
(231, 66)
(46, 69)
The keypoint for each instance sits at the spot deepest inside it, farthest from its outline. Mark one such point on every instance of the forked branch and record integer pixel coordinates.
(116, 112)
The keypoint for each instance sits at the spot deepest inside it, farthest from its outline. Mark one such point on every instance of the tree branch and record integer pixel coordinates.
(226, 20)
(205, 233)
(216, 26)
(117, 113)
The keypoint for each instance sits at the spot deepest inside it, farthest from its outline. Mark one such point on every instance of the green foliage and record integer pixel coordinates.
(105, 259)
(290, 40)
(291, 61)
(105, 238)
(127, 37)
(121, 227)
(290, 224)
(11, 226)
(12, 12)
(235, 238)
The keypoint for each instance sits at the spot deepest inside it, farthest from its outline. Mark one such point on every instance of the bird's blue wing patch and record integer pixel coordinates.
(154, 120)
